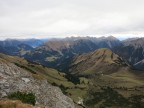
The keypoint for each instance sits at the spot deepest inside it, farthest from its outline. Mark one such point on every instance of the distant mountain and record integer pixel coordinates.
(101, 42)
(16, 42)
(18, 50)
(101, 61)
(57, 53)
(19, 47)
(132, 50)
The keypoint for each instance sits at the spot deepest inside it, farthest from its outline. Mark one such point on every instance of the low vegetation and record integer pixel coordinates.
(24, 67)
(111, 98)
(24, 97)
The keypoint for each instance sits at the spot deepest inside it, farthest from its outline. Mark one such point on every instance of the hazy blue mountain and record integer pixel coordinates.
(18, 50)
(19, 47)
(16, 42)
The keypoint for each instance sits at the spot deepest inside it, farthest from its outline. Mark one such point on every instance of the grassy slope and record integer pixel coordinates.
(53, 76)
(102, 60)
(39, 71)
(125, 81)
(106, 69)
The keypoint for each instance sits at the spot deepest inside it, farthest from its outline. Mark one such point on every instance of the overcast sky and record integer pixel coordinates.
(60, 18)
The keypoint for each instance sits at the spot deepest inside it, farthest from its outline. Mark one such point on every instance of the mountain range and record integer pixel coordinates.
(56, 53)
(94, 72)
(19, 46)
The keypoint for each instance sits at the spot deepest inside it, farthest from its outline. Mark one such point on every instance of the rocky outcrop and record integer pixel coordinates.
(13, 78)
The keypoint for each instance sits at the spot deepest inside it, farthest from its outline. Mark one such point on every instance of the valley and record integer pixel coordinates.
(90, 71)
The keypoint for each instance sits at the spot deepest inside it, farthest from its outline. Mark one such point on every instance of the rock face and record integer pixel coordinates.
(13, 78)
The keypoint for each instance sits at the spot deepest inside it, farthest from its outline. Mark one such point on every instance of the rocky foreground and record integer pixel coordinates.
(14, 78)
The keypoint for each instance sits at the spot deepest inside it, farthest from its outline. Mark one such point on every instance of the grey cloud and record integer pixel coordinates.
(43, 18)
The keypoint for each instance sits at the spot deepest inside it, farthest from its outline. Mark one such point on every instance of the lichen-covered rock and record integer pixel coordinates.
(13, 79)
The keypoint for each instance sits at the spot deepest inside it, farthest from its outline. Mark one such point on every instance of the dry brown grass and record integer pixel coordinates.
(102, 60)
(5, 103)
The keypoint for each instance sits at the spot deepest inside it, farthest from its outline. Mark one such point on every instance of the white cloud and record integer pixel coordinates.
(44, 18)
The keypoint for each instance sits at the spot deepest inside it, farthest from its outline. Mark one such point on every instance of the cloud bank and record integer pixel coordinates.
(60, 18)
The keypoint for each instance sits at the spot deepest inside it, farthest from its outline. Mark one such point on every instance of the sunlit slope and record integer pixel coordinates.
(38, 71)
(100, 61)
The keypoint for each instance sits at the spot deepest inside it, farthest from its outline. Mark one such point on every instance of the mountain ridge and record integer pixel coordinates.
(57, 53)
(93, 62)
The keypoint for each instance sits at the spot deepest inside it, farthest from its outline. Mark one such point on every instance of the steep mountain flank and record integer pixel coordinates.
(17, 77)
(133, 51)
